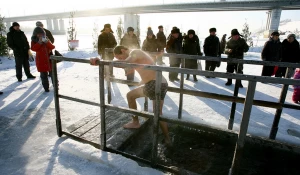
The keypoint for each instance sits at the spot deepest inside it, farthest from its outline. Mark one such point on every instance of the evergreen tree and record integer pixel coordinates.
(247, 34)
(4, 50)
(120, 30)
(71, 30)
(95, 36)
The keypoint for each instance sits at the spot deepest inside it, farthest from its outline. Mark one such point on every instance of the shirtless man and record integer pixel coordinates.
(147, 88)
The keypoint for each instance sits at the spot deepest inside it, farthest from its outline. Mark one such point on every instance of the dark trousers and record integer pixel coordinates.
(210, 65)
(238, 68)
(22, 62)
(173, 75)
(44, 78)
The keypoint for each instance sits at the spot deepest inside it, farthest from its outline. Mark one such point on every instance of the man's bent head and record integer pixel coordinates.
(121, 52)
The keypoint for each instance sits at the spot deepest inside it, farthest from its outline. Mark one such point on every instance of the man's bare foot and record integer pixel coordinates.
(132, 125)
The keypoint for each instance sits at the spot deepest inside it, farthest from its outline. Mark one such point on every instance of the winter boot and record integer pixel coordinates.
(229, 82)
(195, 78)
(187, 76)
(241, 85)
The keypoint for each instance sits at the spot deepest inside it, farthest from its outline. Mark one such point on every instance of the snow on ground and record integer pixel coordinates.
(28, 140)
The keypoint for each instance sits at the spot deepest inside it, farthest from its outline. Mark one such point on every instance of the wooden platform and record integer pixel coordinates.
(117, 137)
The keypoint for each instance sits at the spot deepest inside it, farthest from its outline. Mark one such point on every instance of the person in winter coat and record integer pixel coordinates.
(174, 45)
(191, 46)
(271, 52)
(17, 41)
(43, 47)
(296, 93)
(290, 53)
(106, 40)
(48, 34)
(212, 48)
(161, 42)
(223, 43)
(235, 49)
(130, 41)
(150, 43)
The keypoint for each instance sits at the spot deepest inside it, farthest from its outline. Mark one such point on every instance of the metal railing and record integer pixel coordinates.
(156, 117)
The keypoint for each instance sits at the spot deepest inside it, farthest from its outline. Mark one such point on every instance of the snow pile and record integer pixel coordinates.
(113, 161)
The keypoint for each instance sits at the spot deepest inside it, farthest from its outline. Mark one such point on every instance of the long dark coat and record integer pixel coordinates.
(161, 41)
(191, 46)
(290, 51)
(18, 42)
(272, 51)
(106, 40)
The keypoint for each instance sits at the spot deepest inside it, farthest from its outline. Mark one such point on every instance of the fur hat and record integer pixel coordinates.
(234, 32)
(38, 30)
(130, 29)
(291, 35)
(159, 27)
(150, 32)
(15, 24)
(107, 26)
(275, 33)
(39, 24)
(175, 31)
(191, 32)
(212, 30)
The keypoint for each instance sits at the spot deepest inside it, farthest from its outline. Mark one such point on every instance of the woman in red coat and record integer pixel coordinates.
(43, 47)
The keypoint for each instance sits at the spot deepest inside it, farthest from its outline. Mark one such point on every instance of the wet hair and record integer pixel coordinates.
(117, 49)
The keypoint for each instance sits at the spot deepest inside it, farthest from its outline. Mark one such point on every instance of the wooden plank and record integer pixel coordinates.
(243, 128)
(233, 105)
(56, 99)
(81, 123)
(181, 88)
(102, 107)
(131, 111)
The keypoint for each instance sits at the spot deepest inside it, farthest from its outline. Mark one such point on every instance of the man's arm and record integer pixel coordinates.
(10, 41)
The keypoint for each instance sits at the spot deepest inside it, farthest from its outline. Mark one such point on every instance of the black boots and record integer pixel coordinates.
(187, 76)
(195, 78)
(229, 82)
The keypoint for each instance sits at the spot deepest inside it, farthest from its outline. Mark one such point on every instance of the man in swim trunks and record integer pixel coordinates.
(147, 88)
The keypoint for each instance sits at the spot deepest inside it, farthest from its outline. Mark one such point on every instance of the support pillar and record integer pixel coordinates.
(131, 20)
(49, 24)
(274, 21)
(62, 26)
(55, 24)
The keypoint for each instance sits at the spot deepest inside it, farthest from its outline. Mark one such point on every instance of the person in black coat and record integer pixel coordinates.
(290, 53)
(106, 40)
(271, 52)
(174, 45)
(17, 41)
(191, 46)
(161, 42)
(212, 48)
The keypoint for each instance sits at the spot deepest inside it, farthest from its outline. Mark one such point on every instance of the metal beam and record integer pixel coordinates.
(169, 8)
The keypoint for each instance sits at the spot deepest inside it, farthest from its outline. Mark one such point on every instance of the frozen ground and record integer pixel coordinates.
(28, 140)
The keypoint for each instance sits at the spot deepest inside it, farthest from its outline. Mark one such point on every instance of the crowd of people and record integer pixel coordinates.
(130, 51)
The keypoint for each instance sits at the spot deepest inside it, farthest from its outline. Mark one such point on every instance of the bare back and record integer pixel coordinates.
(140, 57)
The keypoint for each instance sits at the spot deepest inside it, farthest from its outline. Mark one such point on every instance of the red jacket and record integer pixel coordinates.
(42, 58)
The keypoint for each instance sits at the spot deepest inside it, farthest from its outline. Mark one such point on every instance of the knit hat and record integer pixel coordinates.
(38, 30)
(191, 32)
(275, 33)
(291, 35)
(39, 24)
(175, 31)
(149, 32)
(130, 29)
(159, 27)
(107, 26)
(212, 30)
(15, 24)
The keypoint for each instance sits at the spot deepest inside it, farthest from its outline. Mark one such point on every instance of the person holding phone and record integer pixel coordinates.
(43, 47)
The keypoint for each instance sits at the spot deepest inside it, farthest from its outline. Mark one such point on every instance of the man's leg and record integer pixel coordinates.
(26, 67)
(230, 69)
(131, 97)
(19, 62)
(163, 125)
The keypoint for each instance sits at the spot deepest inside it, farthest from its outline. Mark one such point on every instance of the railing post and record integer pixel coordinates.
(56, 99)
(146, 104)
(108, 86)
(156, 117)
(281, 100)
(243, 129)
(233, 105)
(102, 107)
(181, 87)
